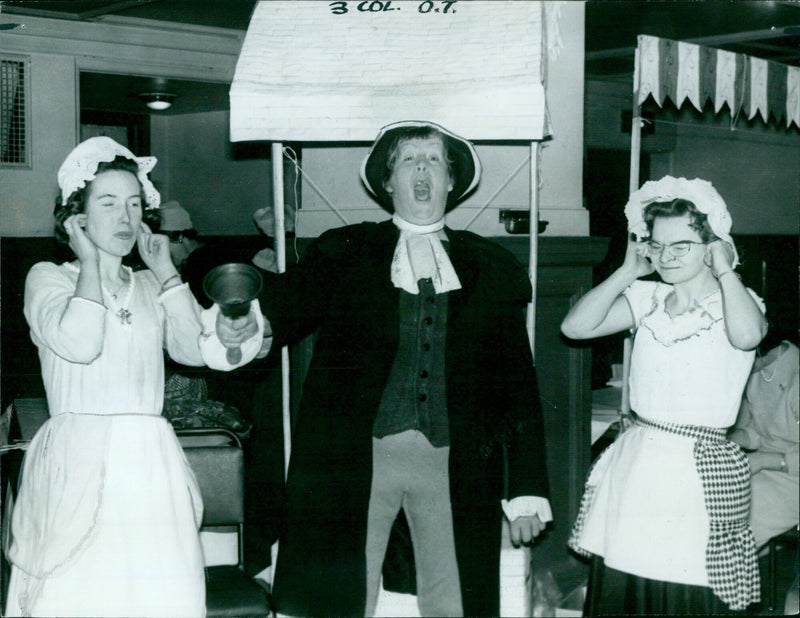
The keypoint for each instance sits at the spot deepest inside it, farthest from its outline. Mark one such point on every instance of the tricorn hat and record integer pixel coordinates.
(465, 166)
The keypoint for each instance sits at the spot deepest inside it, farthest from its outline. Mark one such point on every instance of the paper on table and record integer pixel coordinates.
(606, 403)
(599, 428)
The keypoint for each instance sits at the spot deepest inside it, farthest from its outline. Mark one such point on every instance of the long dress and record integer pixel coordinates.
(645, 509)
(107, 515)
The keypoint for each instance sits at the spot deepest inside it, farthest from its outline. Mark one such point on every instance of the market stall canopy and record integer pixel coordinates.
(684, 71)
(338, 71)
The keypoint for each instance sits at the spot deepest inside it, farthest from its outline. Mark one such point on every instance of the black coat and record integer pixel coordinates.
(342, 290)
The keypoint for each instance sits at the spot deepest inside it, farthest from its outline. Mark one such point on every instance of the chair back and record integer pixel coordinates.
(217, 459)
(220, 474)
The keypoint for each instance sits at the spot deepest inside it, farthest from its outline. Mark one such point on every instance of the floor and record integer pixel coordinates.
(405, 605)
(393, 604)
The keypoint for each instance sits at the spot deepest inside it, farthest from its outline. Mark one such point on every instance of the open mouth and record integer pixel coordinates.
(422, 191)
(124, 235)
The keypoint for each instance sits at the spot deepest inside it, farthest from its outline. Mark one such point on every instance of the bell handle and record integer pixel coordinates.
(234, 355)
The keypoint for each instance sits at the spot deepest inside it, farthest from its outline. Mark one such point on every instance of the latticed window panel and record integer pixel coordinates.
(14, 111)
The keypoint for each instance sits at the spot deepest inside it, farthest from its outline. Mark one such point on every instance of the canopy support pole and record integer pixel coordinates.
(533, 247)
(627, 345)
(268, 574)
(280, 257)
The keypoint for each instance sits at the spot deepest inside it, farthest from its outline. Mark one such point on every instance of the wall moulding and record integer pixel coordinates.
(130, 45)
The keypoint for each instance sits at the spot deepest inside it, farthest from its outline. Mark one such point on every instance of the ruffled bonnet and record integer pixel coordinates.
(80, 167)
(699, 192)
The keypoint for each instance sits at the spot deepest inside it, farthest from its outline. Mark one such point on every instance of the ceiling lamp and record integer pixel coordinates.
(158, 101)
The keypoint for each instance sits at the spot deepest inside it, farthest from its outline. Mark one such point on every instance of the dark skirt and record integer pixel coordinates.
(615, 593)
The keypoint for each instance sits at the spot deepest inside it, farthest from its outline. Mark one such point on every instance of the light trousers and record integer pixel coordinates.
(409, 473)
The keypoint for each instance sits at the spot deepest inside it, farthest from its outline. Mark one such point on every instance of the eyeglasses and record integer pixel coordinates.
(675, 249)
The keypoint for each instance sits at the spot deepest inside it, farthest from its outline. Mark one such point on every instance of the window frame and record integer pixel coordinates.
(25, 62)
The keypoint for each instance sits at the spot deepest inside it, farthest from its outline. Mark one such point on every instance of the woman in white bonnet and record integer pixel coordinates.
(107, 515)
(665, 510)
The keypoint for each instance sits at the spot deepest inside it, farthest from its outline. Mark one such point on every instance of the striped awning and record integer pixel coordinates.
(683, 71)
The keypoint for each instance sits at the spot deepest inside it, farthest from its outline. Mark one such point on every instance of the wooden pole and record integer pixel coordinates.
(533, 247)
(280, 256)
(636, 147)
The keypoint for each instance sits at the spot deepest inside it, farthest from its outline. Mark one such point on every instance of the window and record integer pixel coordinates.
(14, 112)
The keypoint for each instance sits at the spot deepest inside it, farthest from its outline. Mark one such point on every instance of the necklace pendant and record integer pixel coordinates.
(124, 316)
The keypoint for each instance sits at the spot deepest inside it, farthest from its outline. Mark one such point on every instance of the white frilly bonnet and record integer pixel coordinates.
(80, 167)
(699, 192)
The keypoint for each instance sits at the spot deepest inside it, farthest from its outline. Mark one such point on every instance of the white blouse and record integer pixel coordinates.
(683, 368)
(116, 365)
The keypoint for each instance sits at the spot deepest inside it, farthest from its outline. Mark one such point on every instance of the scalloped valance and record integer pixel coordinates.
(684, 71)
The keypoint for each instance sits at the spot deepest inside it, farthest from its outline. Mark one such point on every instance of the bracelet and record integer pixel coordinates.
(168, 279)
(719, 276)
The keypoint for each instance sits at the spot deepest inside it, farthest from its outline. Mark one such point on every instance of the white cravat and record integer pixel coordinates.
(419, 254)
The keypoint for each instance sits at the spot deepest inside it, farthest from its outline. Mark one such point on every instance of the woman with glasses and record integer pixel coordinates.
(664, 515)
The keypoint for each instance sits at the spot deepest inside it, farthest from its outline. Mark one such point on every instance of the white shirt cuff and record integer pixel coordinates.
(527, 506)
(214, 353)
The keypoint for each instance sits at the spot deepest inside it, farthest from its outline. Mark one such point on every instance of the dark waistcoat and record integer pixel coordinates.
(415, 397)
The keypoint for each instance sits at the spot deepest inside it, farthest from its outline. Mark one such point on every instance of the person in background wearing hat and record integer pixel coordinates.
(193, 257)
(264, 220)
(251, 393)
(107, 513)
(420, 394)
(664, 515)
(176, 223)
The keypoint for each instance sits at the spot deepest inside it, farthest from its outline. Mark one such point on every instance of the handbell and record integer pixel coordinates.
(233, 286)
